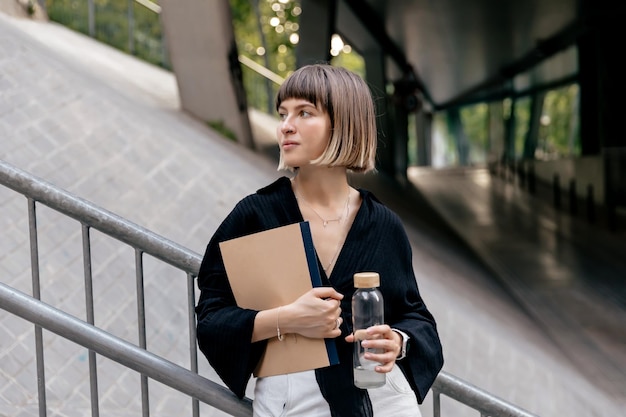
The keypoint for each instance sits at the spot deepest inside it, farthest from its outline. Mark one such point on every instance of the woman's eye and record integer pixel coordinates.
(305, 113)
(282, 116)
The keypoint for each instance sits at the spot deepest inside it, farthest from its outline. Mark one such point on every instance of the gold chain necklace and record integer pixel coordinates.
(345, 213)
(326, 221)
(332, 260)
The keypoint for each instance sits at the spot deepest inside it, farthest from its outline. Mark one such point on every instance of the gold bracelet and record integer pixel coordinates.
(280, 336)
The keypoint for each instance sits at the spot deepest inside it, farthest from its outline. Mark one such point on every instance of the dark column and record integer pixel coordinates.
(423, 127)
(602, 69)
(530, 142)
(602, 92)
(495, 148)
(375, 78)
(458, 133)
(589, 96)
(317, 25)
(206, 69)
(405, 101)
(509, 135)
(401, 139)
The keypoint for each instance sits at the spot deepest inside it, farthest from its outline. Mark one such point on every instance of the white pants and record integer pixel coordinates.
(299, 395)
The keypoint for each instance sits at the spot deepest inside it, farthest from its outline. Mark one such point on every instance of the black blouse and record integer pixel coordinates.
(376, 242)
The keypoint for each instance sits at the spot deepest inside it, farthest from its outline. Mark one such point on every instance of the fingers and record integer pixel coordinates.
(338, 322)
(316, 314)
(332, 319)
(327, 292)
(382, 337)
(383, 340)
(335, 327)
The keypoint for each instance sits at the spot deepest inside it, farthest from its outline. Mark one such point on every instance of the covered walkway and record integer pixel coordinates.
(520, 304)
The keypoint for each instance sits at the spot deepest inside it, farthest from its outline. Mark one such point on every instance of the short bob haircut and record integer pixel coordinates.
(348, 101)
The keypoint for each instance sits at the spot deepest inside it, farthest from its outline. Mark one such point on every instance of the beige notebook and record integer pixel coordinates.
(270, 269)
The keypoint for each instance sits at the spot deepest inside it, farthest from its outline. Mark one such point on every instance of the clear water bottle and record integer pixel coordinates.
(367, 311)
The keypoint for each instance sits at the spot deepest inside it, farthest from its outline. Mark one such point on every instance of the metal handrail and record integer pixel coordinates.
(474, 397)
(184, 259)
(150, 5)
(99, 218)
(261, 70)
(122, 352)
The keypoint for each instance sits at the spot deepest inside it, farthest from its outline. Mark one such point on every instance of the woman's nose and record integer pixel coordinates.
(286, 126)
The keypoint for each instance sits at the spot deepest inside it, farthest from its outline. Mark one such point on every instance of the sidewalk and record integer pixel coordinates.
(566, 274)
(107, 127)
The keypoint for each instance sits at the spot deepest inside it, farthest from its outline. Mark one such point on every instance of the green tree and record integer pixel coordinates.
(558, 132)
(266, 31)
(115, 21)
(476, 124)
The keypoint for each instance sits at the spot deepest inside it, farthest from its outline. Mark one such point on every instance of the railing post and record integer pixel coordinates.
(165, 59)
(93, 369)
(193, 351)
(91, 17)
(141, 325)
(131, 27)
(436, 404)
(34, 264)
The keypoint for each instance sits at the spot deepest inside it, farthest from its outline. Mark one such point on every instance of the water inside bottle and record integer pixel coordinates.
(364, 374)
(368, 378)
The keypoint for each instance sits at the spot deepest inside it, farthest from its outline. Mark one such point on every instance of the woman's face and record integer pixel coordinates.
(303, 132)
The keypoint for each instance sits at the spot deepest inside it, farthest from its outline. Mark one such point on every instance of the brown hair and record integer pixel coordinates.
(348, 101)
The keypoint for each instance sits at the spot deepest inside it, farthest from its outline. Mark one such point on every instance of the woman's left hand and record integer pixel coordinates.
(386, 340)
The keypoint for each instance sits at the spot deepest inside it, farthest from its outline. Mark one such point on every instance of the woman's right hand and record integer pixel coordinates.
(315, 314)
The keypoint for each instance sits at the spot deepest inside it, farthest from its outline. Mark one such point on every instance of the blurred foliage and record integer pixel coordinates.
(352, 61)
(444, 149)
(267, 32)
(522, 110)
(113, 21)
(221, 128)
(71, 13)
(558, 135)
(475, 120)
(559, 131)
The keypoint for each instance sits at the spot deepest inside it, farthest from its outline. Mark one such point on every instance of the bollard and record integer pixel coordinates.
(521, 173)
(573, 199)
(531, 178)
(591, 206)
(556, 191)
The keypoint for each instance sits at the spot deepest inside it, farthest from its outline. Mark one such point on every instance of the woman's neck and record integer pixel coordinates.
(325, 186)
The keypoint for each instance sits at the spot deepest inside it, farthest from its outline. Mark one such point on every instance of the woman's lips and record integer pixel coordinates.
(289, 144)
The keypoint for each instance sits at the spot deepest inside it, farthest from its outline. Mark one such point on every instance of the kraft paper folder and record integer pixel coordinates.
(270, 269)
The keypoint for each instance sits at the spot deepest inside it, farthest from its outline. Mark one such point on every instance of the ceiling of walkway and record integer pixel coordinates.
(461, 50)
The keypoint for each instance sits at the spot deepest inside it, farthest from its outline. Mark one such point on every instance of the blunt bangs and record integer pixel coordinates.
(308, 83)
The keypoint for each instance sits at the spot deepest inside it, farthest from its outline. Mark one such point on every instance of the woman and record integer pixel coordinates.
(327, 128)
